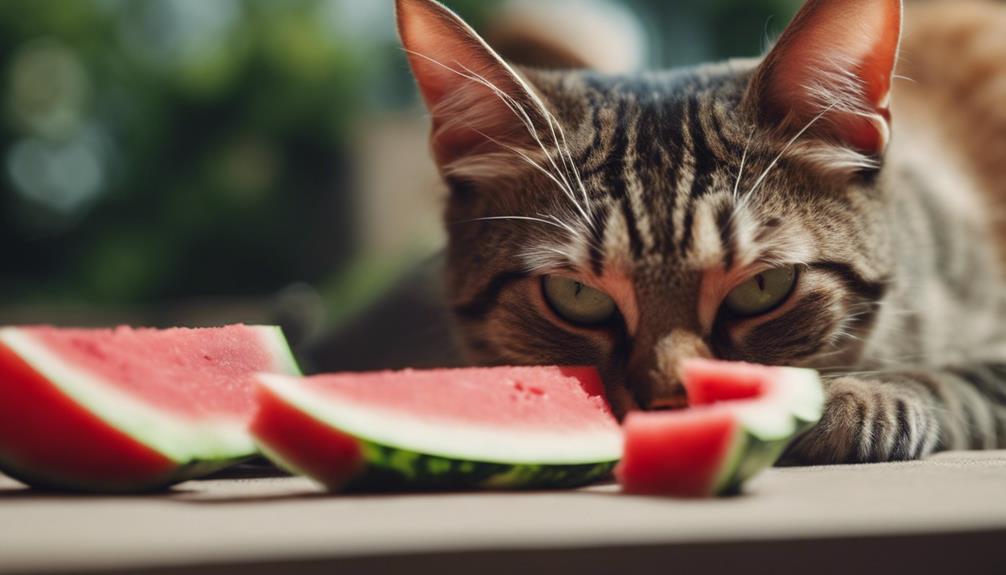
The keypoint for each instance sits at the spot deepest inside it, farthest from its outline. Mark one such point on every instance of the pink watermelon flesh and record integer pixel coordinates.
(129, 409)
(305, 445)
(675, 453)
(708, 381)
(317, 425)
(709, 448)
(49, 440)
(547, 398)
(192, 373)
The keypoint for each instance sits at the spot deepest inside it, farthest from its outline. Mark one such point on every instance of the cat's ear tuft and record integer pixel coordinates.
(832, 70)
(474, 97)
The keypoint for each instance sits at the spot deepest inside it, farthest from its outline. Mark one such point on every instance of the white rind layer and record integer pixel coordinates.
(177, 438)
(449, 440)
(797, 393)
(804, 392)
(279, 349)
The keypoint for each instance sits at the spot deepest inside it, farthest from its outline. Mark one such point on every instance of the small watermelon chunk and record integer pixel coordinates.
(123, 410)
(501, 427)
(742, 417)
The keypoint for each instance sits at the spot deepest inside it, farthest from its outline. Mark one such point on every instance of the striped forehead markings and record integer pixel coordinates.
(705, 165)
(642, 163)
(615, 182)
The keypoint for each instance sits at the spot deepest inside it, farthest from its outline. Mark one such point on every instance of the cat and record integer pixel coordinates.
(830, 205)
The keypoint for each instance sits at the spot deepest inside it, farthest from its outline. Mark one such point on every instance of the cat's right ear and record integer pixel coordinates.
(476, 100)
(830, 73)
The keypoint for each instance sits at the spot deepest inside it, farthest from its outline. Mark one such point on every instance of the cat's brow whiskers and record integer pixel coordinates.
(568, 158)
(552, 123)
(515, 218)
(547, 219)
(561, 149)
(529, 160)
(525, 118)
(521, 114)
(789, 145)
(546, 256)
(744, 157)
(573, 232)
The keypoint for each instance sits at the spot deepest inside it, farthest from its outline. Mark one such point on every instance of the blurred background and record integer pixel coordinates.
(208, 161)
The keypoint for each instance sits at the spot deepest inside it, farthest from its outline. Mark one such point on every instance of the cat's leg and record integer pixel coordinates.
(907, 415)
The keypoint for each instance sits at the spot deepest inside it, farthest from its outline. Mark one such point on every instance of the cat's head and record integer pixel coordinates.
(629, 222)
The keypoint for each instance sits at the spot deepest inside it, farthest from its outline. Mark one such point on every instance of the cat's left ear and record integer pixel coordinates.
(477, 101)
(832, 70)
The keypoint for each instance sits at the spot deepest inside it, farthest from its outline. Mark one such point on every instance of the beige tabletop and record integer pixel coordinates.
(947, 511)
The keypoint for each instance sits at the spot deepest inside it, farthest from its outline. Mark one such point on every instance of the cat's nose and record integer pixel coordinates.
(666, 388)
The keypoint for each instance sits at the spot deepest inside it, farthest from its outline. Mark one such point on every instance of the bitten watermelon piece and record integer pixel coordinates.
(503, 427)
(129, 409)
(741, 418)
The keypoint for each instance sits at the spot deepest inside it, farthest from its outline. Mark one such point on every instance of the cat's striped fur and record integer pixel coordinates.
(666, 189)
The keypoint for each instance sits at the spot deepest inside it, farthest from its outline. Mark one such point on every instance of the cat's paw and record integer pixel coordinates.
(863, 421)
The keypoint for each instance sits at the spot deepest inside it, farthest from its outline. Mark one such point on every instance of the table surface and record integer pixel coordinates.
(279, 520)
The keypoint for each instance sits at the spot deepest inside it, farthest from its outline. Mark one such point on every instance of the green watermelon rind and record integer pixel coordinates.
(767, 425)
(395, 464)
(388, 469)
(455, 441)
(188, 444)
(191, 470)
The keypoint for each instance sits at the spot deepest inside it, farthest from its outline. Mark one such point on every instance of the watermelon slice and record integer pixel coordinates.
(741, 418)
(503, 427)
(129, 409)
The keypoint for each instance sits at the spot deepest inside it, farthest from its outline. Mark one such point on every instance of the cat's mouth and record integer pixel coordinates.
(623, 401)
(668, 404)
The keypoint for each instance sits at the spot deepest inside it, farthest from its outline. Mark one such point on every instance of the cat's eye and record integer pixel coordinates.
(576, 302)
(762, 293)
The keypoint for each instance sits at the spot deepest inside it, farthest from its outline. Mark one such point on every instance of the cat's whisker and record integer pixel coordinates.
(740, 171)
(525, 118)
(569, 165)
(543, 258)
(789, 145)
(552, 123)
(567, 157)
(529, 160)
(573, 232)
(897, 363)
(542, 251)
(514, 218)
(539, 167)
(830, 376)
(521, 114)
(572, 165)
(529, 125)
(547, 219)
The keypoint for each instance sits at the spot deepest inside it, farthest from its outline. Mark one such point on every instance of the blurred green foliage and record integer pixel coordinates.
(164, 149)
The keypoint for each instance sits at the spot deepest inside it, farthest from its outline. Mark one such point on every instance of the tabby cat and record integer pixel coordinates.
(810, 208)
